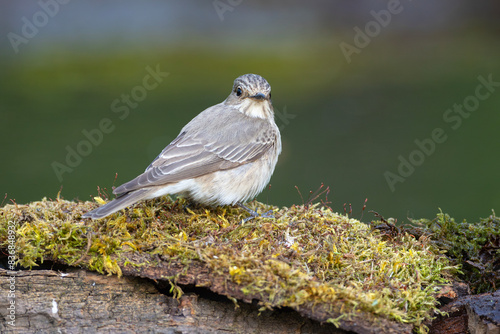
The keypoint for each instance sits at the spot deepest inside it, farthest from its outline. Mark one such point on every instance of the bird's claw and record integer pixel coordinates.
(255, 214)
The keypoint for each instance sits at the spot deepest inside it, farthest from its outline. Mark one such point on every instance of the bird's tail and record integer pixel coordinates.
(118, 203)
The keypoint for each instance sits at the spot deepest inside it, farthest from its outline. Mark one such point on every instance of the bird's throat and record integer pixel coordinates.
(258, 109)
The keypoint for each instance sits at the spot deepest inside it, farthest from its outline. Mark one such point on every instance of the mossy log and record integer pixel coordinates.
(307, 270)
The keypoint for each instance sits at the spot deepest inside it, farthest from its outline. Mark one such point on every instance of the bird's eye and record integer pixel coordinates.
(239, 91)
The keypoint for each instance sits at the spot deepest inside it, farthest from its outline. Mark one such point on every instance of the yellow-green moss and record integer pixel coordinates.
(305, 256)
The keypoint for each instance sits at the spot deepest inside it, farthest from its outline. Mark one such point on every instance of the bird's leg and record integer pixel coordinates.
(254, 214)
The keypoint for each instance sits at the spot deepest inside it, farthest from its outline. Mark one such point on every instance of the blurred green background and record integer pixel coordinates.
(344, 124)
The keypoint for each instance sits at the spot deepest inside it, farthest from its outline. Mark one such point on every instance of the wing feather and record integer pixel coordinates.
(217, 139)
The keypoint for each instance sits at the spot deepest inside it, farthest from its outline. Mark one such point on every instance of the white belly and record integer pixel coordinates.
(226, 187)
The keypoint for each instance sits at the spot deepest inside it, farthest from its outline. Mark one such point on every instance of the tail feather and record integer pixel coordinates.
(118, 203)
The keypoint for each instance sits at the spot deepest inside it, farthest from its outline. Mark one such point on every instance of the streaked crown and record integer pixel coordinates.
(252, 85)
(251, 95)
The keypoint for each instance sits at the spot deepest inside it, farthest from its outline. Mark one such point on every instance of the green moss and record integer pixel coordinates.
(474, 246)
(305, 257)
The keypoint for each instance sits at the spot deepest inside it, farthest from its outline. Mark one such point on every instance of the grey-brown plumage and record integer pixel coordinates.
(224, 156)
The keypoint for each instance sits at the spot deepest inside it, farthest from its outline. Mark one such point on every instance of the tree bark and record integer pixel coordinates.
(477, 314)
(79, 301)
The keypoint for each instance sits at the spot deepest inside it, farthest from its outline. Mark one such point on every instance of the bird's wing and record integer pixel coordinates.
(207, 145)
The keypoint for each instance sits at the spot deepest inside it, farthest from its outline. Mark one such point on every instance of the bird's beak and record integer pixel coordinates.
(258, 96)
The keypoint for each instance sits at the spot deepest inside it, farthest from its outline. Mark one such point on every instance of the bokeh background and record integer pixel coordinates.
(345, 121)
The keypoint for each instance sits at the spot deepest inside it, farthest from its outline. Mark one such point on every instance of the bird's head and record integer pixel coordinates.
(251, 95)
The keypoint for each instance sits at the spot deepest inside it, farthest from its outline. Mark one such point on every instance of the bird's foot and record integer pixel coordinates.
(255, 214)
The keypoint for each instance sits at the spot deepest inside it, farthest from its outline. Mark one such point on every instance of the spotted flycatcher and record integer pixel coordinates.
(224, 156)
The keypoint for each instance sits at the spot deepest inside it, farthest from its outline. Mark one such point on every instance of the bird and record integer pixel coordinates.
(225, 155)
